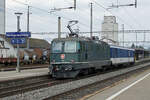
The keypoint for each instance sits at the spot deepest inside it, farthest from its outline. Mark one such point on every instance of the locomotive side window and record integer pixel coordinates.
(86, 52)
(57, 47)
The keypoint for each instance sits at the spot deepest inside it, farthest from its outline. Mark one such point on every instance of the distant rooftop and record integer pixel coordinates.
(34, 43)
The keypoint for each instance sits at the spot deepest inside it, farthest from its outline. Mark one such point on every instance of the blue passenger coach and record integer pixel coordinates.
(121, 55)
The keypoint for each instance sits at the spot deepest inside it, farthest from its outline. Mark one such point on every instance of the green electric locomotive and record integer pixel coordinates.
(77, 55)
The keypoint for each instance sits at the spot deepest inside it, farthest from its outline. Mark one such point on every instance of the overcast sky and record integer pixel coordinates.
(43, 21)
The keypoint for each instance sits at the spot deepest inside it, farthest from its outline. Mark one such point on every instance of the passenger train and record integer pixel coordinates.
(76, 55)
(72, 56)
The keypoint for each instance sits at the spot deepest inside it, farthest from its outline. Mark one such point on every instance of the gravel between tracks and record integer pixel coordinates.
(85, 92)
(59, 89)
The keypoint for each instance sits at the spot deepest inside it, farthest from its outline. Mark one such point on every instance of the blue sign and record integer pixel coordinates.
(18, 34)
(18, 41)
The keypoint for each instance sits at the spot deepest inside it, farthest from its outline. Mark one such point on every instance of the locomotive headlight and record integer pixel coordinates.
(53, 61)
(57, 68)
(69, 68)
(72, 61)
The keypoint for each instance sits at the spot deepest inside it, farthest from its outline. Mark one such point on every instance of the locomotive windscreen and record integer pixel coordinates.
(57, 47)
(65, 47)
(70, 47)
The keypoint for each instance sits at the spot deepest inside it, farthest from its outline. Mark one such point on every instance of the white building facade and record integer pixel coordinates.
(2, 16)
(110, 30)
(6, 49)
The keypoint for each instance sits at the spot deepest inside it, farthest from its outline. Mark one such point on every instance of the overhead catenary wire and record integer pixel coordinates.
(84, 13)
(34, 8)
(85, 25)
(66, 18)
(129, 15)
(67, 2)
(132, 17)
(15, 10)
(101, 6)
(43, 10)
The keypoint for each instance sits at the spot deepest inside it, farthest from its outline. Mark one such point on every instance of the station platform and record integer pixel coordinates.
(136, 87)
(142, 60)
(12, 75)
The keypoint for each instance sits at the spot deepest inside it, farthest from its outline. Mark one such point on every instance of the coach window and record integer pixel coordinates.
(129, 53)
(116, 53)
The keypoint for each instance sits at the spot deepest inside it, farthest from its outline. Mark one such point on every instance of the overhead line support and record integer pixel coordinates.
(91, 20)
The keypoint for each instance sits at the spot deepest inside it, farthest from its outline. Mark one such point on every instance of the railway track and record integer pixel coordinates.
(27, 85)
(22, 86)
(83, 93)
(37, 83)
(13, 87)
(8, 88)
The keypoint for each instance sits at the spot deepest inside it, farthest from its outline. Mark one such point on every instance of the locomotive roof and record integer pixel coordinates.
(120, 47)
(72, 38)
(78, 39)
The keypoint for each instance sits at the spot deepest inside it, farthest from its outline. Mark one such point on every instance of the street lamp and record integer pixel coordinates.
(18, 14)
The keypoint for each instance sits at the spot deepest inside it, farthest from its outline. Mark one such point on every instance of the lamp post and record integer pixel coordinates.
(18, 14)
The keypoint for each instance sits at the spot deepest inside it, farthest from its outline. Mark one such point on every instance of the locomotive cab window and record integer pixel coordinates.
(57, 47)
(71, 47)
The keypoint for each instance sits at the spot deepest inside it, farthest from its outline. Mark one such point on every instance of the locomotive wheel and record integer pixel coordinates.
(91, 70)
(86, 71)
(104, 68)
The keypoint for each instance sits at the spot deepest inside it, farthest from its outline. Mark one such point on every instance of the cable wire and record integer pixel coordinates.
(101, 6)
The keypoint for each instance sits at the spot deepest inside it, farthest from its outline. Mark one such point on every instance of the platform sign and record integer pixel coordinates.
(18, 41)
(18, 34)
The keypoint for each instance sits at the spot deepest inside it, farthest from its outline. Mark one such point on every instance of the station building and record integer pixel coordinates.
(8, 50)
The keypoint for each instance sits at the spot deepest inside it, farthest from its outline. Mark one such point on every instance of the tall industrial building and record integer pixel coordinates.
(2, 16)
(110, 30)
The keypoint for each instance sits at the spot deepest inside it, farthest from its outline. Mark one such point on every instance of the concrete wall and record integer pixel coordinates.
(2, 16)
(110, 25)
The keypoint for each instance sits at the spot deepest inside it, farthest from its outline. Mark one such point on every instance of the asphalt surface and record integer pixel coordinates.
(134, 88)
(12, 75)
